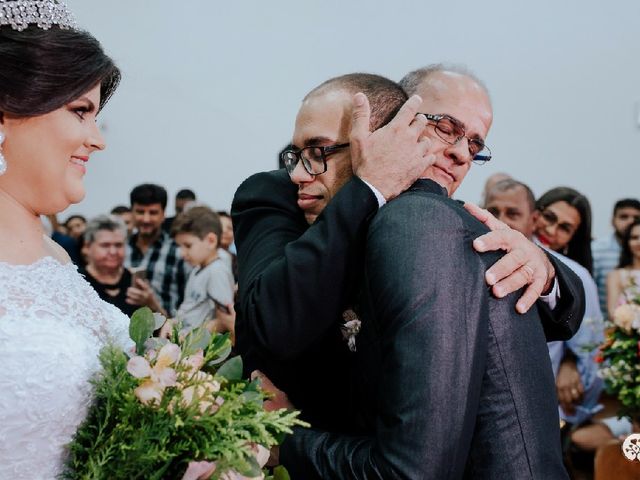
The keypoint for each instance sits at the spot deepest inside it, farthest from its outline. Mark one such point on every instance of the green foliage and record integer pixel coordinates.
(141, 327)
(279, 473)
(231, 369)
(122, 438)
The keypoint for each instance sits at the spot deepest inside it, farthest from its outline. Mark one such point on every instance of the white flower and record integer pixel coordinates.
(159, 376)
(194, 362)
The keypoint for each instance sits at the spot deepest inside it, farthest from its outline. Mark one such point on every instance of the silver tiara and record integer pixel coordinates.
(19, 14)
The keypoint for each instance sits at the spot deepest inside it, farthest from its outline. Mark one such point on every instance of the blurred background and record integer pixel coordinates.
(210, 89)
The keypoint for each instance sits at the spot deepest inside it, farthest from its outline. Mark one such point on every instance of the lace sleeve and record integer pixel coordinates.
(118, 327)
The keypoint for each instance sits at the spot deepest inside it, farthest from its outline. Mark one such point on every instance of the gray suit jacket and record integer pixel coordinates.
(450, 382)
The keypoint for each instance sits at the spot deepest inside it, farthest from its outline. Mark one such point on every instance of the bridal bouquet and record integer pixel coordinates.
(172, 404)
(620, 354)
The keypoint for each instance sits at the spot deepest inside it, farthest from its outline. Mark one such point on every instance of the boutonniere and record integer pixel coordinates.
(350, 328)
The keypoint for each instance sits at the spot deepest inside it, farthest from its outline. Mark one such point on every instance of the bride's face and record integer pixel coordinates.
(47, 155)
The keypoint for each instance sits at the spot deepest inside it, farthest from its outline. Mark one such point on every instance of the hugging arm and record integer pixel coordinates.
(563, 321)
(294, 278)
(527, 265)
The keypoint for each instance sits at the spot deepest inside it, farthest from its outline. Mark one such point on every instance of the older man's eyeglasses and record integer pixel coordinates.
(314, 159)
(451, 131)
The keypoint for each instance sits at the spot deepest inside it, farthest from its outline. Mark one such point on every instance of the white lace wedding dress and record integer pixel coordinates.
(52, 326)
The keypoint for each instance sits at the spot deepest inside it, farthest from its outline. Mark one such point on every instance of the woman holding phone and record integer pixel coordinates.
(103, 249)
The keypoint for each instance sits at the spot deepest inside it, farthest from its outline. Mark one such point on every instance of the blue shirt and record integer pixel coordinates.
(584, 345)
(606, 256)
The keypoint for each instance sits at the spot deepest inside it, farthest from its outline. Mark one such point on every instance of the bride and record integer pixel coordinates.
(54, 79)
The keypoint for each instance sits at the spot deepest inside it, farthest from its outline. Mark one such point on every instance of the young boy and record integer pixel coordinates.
(210, 285)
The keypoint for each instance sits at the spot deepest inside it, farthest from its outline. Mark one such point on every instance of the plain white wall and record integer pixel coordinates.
(210, 89)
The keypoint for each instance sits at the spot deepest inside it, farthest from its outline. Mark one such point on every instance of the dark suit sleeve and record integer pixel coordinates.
(422, 346)
(564, 320)
(294, 279)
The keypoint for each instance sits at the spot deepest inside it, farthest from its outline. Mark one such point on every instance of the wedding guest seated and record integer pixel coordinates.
(606, 250)
(627, 275)
(124, 213)
(75, 226)
(104, 244)
(152, 249)
(210, 285)
(563, 224)
(227, 250)
(58, 234)
(620, 281)
(490, 183)
(183, 197)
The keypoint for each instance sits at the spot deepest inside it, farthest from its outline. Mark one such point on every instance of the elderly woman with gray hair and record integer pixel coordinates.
(103, 249)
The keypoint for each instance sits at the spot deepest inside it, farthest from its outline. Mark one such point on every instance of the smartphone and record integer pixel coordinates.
(138, 273)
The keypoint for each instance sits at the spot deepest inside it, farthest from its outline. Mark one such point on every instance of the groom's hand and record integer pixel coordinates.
(394, 156)
(525, 264)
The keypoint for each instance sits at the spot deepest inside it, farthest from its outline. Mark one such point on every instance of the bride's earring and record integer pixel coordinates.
(3, 162)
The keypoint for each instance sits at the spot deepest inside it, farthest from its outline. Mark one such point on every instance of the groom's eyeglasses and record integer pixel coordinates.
(314, 159)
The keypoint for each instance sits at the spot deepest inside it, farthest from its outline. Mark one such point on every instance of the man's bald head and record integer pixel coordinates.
(454, 94)
(385, 96)
(513, 203)
(432, 77)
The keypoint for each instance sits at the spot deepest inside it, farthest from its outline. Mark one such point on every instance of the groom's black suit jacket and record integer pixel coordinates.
(296, 280)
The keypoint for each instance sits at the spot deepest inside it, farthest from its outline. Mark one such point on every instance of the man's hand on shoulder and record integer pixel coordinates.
(394, 156)
(525, 264)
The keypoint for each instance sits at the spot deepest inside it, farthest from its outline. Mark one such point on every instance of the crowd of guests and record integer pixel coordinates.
(184, 267)
(560, 221)
(135, 256)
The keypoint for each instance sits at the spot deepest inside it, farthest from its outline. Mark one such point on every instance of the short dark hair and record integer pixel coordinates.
(385, 96)
(73, 217)
(512, 184)
(579, 247)
(626, 203)
(626, 257)
(43, 70)
(148, 194)
(185, 194)
(198, 221)
(120, 209)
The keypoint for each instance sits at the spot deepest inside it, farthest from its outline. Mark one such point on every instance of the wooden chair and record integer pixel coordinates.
(611, 464)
